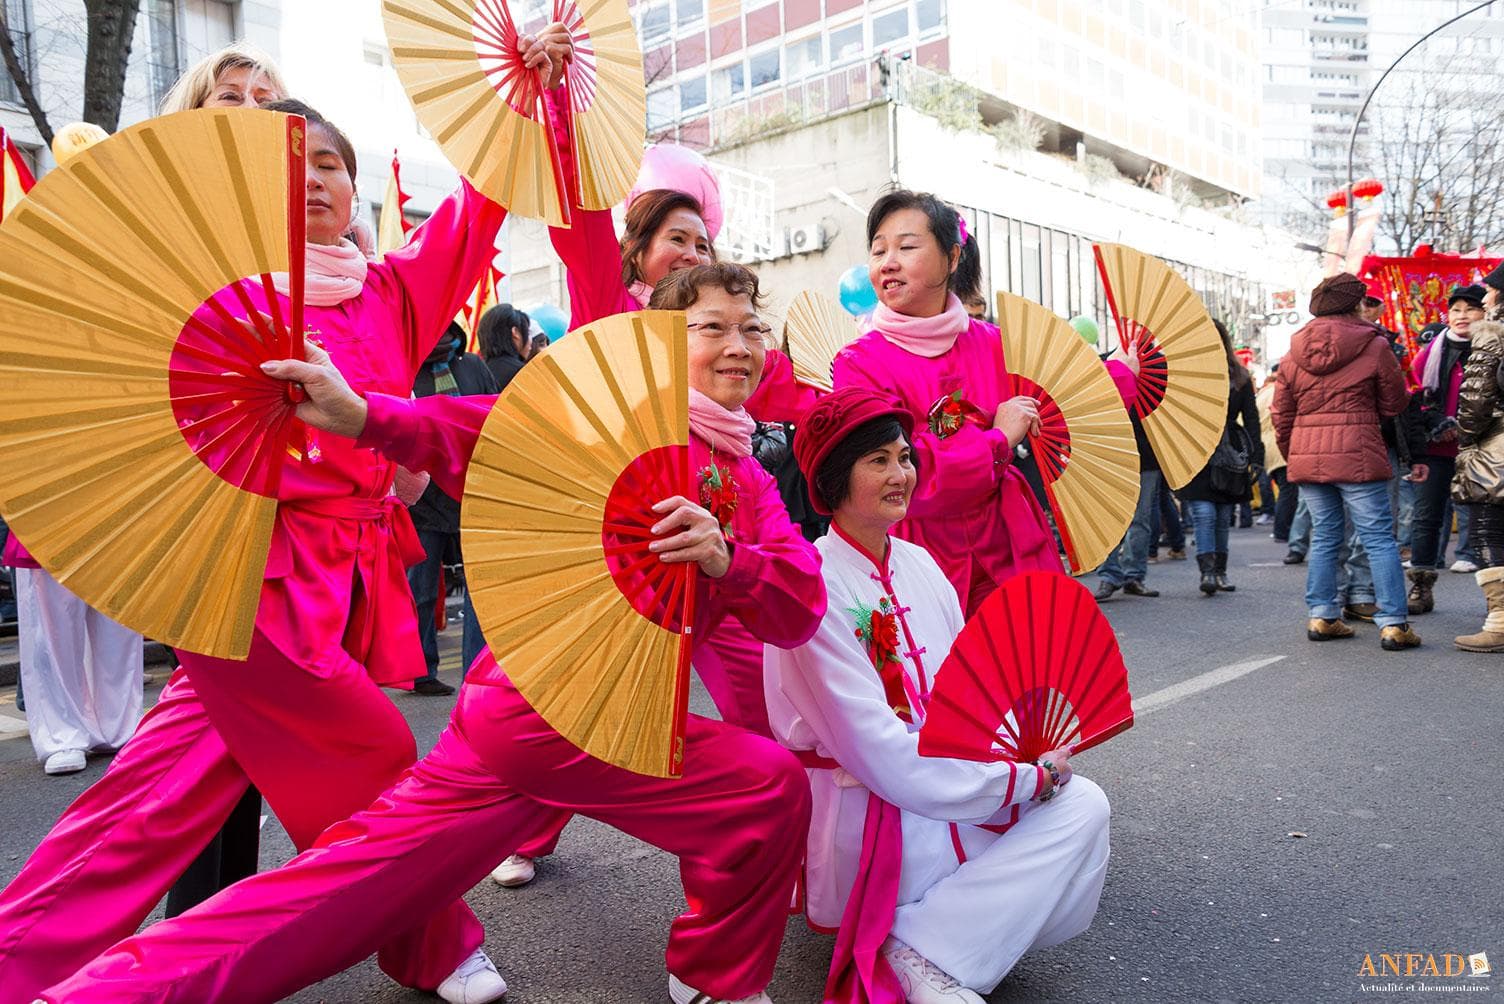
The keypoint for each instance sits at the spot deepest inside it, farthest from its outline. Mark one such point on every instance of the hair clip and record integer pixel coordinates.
(961, 232)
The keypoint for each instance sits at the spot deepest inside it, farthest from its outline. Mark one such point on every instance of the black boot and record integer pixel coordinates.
(1221, 573)
(1208, 565)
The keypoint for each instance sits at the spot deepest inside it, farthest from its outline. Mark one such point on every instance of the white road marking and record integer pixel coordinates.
(1196, 684)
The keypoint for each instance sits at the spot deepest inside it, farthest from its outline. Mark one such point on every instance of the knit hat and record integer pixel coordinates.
(830, 420)
(1337, 294)
(1472, 294)
(1495, 278)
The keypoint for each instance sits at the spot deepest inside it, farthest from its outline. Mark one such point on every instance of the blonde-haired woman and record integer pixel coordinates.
(239, 75)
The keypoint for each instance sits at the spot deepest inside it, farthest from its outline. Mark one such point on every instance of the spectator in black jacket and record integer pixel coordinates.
(449, 369)
(506, 341)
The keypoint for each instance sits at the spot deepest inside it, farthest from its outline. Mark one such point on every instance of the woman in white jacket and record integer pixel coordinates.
(938, 873)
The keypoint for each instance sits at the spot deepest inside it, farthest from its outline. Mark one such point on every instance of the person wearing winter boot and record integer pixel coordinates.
(1480, 462)
(1438, 369)
(1336, 385)
(1227, 479)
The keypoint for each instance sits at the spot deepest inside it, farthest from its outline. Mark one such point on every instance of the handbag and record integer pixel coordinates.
(1228, 472)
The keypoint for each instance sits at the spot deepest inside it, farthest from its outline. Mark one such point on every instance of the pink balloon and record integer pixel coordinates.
(668, 165)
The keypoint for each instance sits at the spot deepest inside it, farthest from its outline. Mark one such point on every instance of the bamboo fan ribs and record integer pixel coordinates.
(1086, 452)
(142, 444)
(815, 330)
(1037, 668)
(459, 62)
(1182, 382)
(589, 624)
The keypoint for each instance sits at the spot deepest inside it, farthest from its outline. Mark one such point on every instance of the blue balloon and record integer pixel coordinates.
(553, 321)
(856, 292)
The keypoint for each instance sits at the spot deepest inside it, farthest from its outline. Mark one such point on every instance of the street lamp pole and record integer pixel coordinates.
(1352, 142)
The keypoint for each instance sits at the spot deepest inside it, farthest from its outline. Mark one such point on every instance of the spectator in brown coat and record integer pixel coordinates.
(1339, 379)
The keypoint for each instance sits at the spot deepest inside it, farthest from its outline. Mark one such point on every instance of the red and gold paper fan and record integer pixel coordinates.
(590, 625)
(1182, 381)
(143, 446)
(1037, 668)
(458, 61)
(1086, 451)
(814, 331)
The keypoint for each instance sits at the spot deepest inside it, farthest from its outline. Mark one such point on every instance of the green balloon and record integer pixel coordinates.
(1086, 328)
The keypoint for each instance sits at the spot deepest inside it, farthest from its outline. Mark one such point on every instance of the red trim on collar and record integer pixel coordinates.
(880, 565)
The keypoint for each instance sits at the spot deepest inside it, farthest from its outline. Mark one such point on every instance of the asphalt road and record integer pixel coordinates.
(1273, 823)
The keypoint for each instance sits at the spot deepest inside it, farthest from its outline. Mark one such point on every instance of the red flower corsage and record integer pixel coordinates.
(718, 494)
(950, 413)
(877, 630)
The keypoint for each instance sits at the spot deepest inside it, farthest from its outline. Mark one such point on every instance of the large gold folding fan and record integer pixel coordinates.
(141, 444)
(814, 331)
(590, 625)
(1182, 381)
(1085, 450)
(458, 61)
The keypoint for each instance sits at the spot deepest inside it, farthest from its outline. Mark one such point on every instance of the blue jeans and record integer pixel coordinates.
(1134, 550)
(1300, 526)
(1367, 504)
(1212, 521)
(472, 641)
(1356, 581)
(423, 580)
(1166, 518)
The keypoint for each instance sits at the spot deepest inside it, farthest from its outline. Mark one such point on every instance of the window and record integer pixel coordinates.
(930, 14)
(661, 111)
(728, 83)
(802, 58)
(846, 43)
(890, 27)
(19, 15)
(689, 12)
(165, 61)
(655, 23)
(691, 94)
(765, 68)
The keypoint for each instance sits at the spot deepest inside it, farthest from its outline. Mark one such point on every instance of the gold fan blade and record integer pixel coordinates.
(605, 677)
(1093, 486)
(1185, 427)
(456, 60)
(815, 330)
(100, 268)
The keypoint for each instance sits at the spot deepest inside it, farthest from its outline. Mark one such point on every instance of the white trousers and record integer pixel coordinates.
(1035, 886)
(80, 671)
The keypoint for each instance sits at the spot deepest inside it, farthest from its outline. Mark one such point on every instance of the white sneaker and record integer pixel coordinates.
(1464, 567)
(517, 870)
(682, 993)
(65, 762)
(922, 981)
(476, 981)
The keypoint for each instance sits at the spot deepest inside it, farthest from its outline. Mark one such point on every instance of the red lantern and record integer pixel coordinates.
(1368, 188)
(1337, 199)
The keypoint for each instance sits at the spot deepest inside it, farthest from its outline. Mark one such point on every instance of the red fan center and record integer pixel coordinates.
(1052, 447)
(657, 590)
(237, 420)
(1153, 369)
(495, 33)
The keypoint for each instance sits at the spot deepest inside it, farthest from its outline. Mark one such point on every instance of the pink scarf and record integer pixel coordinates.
(641, 292)
(334, 273)
(923, 336)
(726, 431)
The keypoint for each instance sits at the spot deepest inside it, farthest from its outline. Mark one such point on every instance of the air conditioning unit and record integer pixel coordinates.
(806, 239)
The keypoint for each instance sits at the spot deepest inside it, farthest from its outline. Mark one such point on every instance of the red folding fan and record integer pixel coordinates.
(1037, 668)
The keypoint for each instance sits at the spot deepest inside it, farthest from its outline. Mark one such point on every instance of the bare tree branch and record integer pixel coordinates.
(21, 77)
